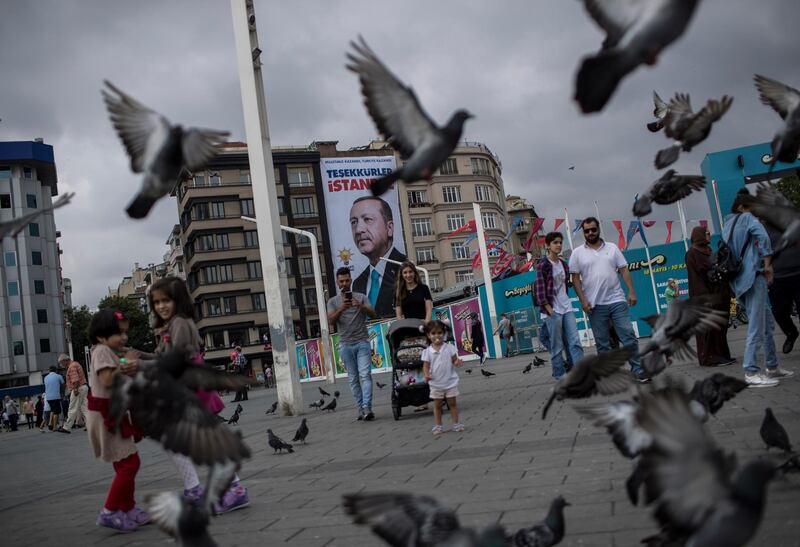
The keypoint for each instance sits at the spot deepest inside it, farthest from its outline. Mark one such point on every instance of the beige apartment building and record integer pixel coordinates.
(519, 207)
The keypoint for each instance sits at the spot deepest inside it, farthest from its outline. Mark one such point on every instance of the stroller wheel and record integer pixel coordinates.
(396, 411)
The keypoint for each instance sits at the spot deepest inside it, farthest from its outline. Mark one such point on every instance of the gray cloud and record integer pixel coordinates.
(513, 66)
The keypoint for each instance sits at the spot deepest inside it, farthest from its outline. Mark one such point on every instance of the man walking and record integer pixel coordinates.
(239, 366)
(78, 389)
(785, 289)
(594, 268)
(53, 383)
(348, 311)
(506, 331)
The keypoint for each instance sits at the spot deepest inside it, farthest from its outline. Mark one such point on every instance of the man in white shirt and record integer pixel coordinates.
(594, 267)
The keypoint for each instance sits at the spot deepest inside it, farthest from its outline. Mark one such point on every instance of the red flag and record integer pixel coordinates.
(541, 242)
(669, 231)
(535, 227)
(469, 226)
(559, 222)
(476, 260)
(704, 223)
(525, 266)
(621, 239)
(649, 223)
(502, 264)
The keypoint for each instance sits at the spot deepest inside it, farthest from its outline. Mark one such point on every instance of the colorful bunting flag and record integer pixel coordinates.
(536, 225)
(559, 222)
(669, 231)
(621, 238)
(649, 223)
(468, 227)
(578, 222)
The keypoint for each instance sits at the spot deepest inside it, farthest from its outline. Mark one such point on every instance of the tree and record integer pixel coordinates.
(790, 187)
(79, 330)
(140, 335)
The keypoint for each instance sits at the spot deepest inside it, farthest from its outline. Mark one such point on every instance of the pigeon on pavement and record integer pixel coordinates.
(277, 444)
(546, 533)
(593, 374)
(771, 206)
(273, 408)
(527, 368)
(323, 392)
(785, 101)
(773, 433)
(380, 385)
(688, 128)
(301, 433)
(636, 33)
(16, 225)
(468, 370)
(317, 404)
(401, 120)
(487, 373)
(185, 520)
(660, 112)
(670, 188)
(234, 420)
(165, 153)
(330, 406)
(538, 361)
(239, 408)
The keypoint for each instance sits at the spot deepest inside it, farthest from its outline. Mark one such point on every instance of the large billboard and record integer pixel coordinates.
(363, 228)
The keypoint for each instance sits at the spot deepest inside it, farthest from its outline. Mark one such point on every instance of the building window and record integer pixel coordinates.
(36, 258)
(480, 166)
(27, 173)
(464, 275)
(41, 316)
(449, 167)
(239, 337)
(229, 305)
(44, 345)
(306, 266)
(248, 209)
(19, 348)
(244, 176)
(16, 318)
(214, 180)
(289, 262)
(311, 297)
(460, 252)
(434, 282)
(199, 180)
(259, 301)
(200, 211)
(251, 238)
(33, 229)
(217, 209)
(11, 258)
(281, 206)
(31, 200)
(5, 172)
(205, 243)
(303, 207)
(254, 270)
(213, 308)
(285, 237)
(217, 339)
(303, 241)
(451, 194)
(222, 241)
(455, 221)
(421, 227)
(211, 274)
(13, 288)
(425, 254)
(417, 198)
(277, 175)
(489, 220)
(483, 193)
(226, 272)
(5, 201)
(293, 297)
(38, 286)
(300, 176)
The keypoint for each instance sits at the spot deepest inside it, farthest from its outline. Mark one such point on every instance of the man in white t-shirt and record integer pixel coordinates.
(594, 268)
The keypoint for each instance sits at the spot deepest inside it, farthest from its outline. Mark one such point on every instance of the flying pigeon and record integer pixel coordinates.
(401, 120)
(527, 368)
(487, 373)
(273, 408)
(670, 188)
(16, 225)
(688, 128)
(330, 406)
(785, 101)
(571, 167)
(162, 402)
(380, 385)
(592, 374)
(323, 392)
(165, 153)
(636, 33)
(660, 112)
(691, 482)
(712, 391)
(673, 330)
(277, 444)
(239, 408)
(317, 404)
(185, 520)
(773, 433)
(771, 206)
(301, 433)
(234, 420)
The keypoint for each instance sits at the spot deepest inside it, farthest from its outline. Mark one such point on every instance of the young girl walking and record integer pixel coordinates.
(108, 331)
(175, 329)
(438, 361)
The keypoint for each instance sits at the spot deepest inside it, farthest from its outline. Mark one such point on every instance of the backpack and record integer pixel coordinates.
(725, 265)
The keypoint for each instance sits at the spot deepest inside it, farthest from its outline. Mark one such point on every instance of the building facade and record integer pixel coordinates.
(31, 312)
(519, 208)
(134, 287)
(173, 258)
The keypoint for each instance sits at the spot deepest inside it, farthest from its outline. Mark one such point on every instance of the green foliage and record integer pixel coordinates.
(79, 330)
(790, 187)
(140, 335)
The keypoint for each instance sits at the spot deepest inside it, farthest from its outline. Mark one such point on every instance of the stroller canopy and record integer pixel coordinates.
(402, 329)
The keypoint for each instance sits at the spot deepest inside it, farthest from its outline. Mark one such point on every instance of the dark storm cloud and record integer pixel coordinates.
(510, 63)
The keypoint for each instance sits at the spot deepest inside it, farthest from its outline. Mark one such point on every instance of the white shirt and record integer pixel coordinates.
(598, 271)
(561, 302)
(443, 373)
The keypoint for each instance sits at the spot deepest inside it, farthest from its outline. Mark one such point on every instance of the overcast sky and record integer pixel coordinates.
(511, 63)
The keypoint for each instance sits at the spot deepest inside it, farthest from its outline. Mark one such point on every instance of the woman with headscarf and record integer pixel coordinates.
(712, 346)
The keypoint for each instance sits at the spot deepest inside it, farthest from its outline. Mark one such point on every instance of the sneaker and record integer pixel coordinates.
(116, 520)
(361, 414)
(779, 373)
(195, 494)
(760, 380)
(138, 516)
(641, 377)
(437, 430)
(369, 416)
(235, 498)
(458, 427)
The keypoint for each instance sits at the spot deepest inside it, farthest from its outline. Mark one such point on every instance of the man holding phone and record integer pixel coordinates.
(348, 311)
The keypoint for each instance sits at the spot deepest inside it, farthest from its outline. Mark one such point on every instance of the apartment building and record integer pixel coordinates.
(31, 312)
(173, 258)
(134, 287)
(519, 208)
(221, 250)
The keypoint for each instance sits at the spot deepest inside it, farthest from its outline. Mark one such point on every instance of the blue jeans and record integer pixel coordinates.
(357, 362)
(617, 314)
(759, 327)
(563, 331)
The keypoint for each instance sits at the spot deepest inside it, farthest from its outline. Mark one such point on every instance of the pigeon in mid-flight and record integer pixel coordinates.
(401, 120)
(688, 128)
(671, 187)
(636, 33)
(165, 153)
(660, 112)
(771, 206)
(785, 101)
(16, 225)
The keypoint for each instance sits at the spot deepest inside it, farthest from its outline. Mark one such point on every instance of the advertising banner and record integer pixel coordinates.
(462, 313)
(363, 228)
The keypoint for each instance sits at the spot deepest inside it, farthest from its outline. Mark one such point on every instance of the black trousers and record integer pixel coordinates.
(784, 292)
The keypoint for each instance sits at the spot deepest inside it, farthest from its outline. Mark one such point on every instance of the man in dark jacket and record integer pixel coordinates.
(785, 289)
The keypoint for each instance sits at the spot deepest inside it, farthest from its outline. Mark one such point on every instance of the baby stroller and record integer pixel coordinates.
(406, 344)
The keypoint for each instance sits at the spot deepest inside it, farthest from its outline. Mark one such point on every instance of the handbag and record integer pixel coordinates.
(725, 265)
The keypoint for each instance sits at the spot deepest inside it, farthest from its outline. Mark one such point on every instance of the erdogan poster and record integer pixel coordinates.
(363, 228)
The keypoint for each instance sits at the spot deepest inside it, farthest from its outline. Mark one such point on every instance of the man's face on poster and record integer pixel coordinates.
(372, 233)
